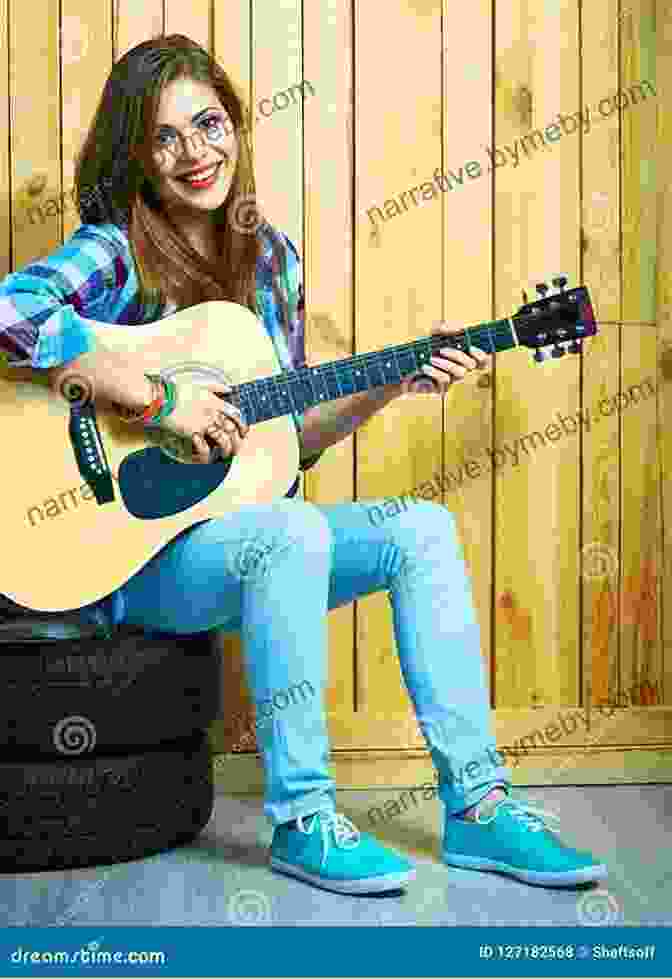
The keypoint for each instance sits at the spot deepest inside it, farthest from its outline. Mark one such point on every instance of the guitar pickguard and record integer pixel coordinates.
(152, 485)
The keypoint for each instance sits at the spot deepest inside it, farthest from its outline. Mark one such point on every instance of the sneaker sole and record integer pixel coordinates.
(559, 878)
(367, 885)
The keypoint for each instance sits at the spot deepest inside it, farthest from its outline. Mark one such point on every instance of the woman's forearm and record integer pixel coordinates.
(112, 377)
(327, 424)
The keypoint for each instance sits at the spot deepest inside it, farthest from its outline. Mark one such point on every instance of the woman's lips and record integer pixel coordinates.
(199, 182)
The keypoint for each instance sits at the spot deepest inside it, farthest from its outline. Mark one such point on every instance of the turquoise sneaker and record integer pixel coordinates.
(327, 850)
(515, 839)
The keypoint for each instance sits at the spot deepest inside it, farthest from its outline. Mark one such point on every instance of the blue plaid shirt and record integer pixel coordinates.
(44, 306)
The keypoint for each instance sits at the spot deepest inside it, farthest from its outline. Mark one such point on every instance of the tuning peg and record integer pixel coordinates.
(560, 281)
(558, 351)
(542, 288)
(540, 355)
(575, 347)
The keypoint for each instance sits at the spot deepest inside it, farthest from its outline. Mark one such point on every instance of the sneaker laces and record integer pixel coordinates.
(532, 817)
(346, 834)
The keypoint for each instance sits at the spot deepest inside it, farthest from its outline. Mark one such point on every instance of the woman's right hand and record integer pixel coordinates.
(200, 410)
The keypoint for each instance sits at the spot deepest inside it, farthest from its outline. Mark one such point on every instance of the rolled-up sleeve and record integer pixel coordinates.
(41, 321)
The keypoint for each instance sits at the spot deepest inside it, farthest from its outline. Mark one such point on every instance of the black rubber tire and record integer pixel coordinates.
(56, 815)
(88, 696)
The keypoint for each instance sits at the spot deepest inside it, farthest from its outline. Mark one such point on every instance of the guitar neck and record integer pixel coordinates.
(271, 397)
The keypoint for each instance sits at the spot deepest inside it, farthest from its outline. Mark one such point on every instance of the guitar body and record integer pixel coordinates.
(60, 548)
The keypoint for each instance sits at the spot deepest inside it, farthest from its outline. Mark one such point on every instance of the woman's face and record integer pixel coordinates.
(193, 132)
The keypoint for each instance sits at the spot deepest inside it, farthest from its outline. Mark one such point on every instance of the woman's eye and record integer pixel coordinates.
(163, 139)
(214, 126)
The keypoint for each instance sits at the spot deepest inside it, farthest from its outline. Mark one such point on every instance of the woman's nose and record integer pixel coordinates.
(194, 145)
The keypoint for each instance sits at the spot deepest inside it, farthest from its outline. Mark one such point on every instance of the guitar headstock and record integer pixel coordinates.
(562, 318)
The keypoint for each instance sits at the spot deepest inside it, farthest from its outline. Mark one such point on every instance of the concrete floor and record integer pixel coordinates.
(222, 878)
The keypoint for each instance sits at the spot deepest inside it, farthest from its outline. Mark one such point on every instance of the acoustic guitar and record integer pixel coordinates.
(68, 542)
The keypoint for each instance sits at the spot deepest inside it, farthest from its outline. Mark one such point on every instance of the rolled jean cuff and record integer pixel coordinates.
(284, 812)
(456, 800)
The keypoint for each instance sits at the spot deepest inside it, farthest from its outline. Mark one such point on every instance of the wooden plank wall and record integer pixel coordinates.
(566, 546)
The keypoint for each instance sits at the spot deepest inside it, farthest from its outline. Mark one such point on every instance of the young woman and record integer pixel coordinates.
(162, 180)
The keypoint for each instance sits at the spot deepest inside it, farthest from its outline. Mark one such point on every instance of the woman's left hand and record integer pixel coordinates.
(447, 366)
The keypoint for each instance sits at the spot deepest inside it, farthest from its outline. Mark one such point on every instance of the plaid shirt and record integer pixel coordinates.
(93, 276)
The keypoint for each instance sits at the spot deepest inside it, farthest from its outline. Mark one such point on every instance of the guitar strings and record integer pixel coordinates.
(372, 359)
(500, 329)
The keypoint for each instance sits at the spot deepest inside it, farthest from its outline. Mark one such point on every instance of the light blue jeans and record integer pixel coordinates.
(273, 571)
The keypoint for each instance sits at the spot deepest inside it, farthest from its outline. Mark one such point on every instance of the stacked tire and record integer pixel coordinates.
(104, 750)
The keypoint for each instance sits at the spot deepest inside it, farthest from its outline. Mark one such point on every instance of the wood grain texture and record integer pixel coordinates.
(664, 317)
(397, 287)
(35, 119)
(278, 136)
(536, 236)
(135, 23)
(600, 441)
(641, 528)
(191, 19)
(87, 46)
(467, 288)
(329, 287)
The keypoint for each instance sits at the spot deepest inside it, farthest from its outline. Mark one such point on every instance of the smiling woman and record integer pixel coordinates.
(169, 156)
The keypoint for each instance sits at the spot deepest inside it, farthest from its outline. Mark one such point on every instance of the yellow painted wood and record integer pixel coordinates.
(191, 19)
(664, 316)
(243, 774)
(467, 290)
(34, 119)
(641, 649)
(599, 563)
(329, 288)
(86, 63)
(397, 285)
(231, 42)
(134, 23)
(277, 57)
(536, 236)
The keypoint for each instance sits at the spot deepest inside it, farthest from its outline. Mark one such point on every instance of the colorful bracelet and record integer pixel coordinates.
(158, 396)
(159, 400)
(169, 402)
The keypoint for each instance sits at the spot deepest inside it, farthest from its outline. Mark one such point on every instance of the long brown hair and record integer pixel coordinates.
(115, 161)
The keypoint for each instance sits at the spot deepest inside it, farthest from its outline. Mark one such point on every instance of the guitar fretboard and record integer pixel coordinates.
(298, 390)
